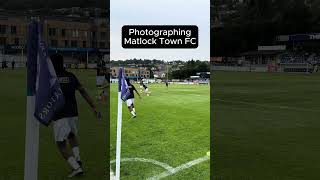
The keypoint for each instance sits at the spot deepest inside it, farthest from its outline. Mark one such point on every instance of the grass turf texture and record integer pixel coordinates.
(92, 132)
(266, 126)
(172, 127)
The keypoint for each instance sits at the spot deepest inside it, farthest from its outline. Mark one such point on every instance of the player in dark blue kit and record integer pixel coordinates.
(143, 86)
(130, 99)
(65, 121)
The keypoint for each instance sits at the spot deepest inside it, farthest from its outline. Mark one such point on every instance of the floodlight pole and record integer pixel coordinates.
(167, 71)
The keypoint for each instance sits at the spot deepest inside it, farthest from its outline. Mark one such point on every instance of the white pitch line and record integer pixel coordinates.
(180, 168)
(163, 165)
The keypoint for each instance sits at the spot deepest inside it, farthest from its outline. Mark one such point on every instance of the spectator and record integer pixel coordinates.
(13, 64)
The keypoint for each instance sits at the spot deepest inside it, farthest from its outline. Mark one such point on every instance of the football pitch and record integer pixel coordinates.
(170, 137)
(92, 133)
(266, 126)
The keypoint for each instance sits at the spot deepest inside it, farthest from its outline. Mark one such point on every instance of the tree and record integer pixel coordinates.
(189, 68)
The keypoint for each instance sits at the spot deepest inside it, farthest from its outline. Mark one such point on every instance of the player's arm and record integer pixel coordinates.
(85, 95)
(136, 92)
(89, 100)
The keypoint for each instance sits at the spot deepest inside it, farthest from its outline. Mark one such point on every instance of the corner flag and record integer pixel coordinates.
(32, 125)
(44, 96)
(123, 86)
(123, 93)
(49, 96)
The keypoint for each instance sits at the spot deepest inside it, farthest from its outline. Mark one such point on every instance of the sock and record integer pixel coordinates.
(73, 163)
(76, 153)
(134, 110)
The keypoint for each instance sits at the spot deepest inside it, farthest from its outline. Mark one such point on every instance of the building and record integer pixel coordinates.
(79, 39)
(76, 33)
(160, 71)
(132, 72)
(13, 30)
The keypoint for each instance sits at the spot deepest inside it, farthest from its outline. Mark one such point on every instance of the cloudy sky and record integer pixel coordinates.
(160, 12)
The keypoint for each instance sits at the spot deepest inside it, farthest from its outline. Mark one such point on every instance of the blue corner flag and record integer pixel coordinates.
(44, 96)
(49, 96)
(123, 85)
(123, 93)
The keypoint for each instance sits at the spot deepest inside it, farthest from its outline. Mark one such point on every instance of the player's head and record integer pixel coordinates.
(128, 81)
(57, 61)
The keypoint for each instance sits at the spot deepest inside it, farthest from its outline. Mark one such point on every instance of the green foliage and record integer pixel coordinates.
(190, 68)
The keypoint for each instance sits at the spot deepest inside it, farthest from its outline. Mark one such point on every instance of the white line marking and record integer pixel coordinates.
(163, 165)
(169, 170)
(180, 168)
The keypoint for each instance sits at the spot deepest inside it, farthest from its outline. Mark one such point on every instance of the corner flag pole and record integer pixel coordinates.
(119, 126)
(32, 125)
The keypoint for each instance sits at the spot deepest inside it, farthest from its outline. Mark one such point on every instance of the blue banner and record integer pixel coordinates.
(123, 85)
(49, 96)
(32, 58)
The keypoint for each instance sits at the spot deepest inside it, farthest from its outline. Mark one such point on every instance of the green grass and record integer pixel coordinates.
(265, 126)
(172, 127)
(92, 133)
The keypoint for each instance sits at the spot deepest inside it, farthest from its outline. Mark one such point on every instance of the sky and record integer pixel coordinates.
(160, 12)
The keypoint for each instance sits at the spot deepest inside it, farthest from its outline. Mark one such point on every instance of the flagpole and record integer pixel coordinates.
(119, 127)
(32, 125)
(31, 142)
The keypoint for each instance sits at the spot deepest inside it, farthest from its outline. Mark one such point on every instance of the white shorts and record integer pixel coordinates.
(63, 127)
(146, 90)
(130, 102)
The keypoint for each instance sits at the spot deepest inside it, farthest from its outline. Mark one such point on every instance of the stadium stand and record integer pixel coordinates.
(293, 58)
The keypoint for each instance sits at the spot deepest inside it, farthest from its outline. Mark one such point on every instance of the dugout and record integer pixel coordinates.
(263, 60)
